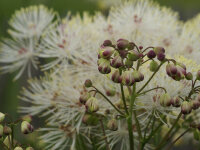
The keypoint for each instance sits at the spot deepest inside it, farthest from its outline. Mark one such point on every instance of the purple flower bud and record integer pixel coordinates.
(26, 127)
(127, 78)
(107, 43)
(116, 77)
(181, 65)
(176, 102)
(165, 100)
(195, 104)
(151, 54)
(133, 55)
(161, 56)
(106, 52)
(123, 54)
(186, 107)
(122, 44)
(117, 62)
(189, 76)
(138, 76)
(140, 47)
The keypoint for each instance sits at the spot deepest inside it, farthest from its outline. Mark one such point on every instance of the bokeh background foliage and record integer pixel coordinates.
(9, 89)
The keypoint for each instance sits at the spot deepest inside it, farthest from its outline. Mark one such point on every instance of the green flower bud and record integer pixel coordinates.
(90, 119)
(26, 127)
(128, 78)
(138, 76)
(27, 118)
(181, 65)
(153, 66)
(18, 148)
(165, 100)
(117, 62)
(7, 130)
(1, 131)
(88, 83)
(112, 124)
(92, 105)
(29, 148)
(128, 63)
(2, 117)
(186, 107)
(106, 52)
(133, 55)
(189, 76)
(131, 46)
(84, 97)
(159, 50)
(116, 77)
(104, 66)
(198, 75)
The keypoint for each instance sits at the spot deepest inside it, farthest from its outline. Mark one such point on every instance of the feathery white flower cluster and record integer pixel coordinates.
(71, 47)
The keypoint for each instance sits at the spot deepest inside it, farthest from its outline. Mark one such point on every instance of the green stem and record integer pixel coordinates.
(109, 101)
(123, 98)
(104, 134)
(145, 131)
(151, 77)
(138, 127)
(153, 89)
(168, 133)
(171, 145)
(129, 118)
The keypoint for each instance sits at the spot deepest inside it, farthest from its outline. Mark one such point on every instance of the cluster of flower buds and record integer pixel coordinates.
(113, 57)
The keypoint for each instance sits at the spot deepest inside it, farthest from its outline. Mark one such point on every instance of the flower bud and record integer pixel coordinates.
(176, 102)
(2, 117)
(29, 148)
(122, 53)
(90, 119)
(198, 75)
(27, 118)
(195, 104)
(110, 92)
(18, 148)
(92, 105)
(161, 56)
(88, 83)
(6, 142)
(128, 63)
(189, 76)
(165, 100)
(186, 107)
(112, 124)
(106, 52)
(153, 66)
(122, 44)
(171, 70)
(104, 66)
(151, 54)
(7, 130)
(116, 77)
(117, 62)
(181, 65)
(107, 43)
(158, 50)
(131, 46)
(1, 131)
(127, 78)
(133, 55)
(26, 127)
(84, 97)
(138, 76)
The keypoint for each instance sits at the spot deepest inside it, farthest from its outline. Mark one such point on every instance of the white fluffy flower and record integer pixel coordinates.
(31, 21)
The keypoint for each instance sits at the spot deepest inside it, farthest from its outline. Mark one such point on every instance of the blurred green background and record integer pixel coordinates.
(10, 90)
